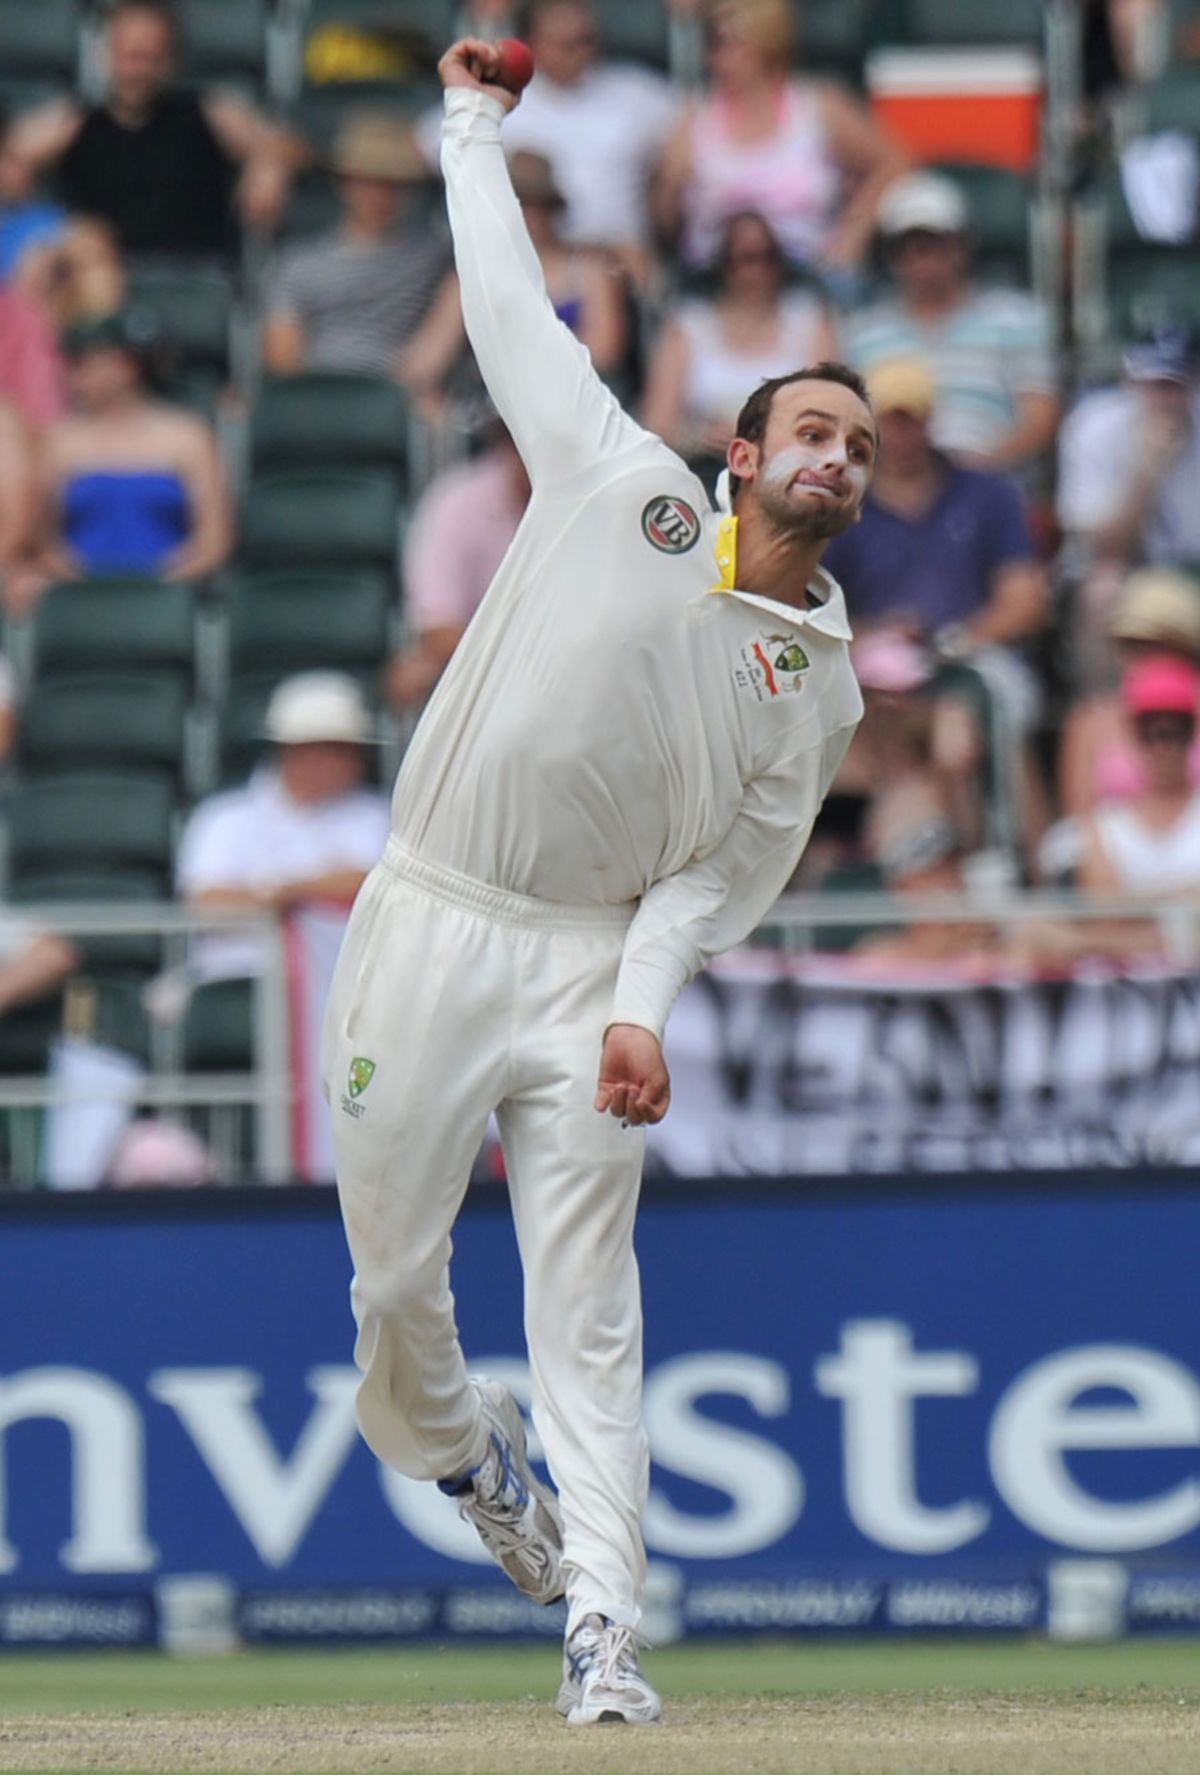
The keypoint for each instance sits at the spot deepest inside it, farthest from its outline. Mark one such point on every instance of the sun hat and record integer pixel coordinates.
(901, 385)
(373, 145)
(1161, 685)
(1159, 604)
(1168, 355)
(925, 201)
(315, 706)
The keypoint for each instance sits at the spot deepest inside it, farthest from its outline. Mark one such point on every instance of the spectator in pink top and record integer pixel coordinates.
(459, 535)
(805, 154)
(32, 376)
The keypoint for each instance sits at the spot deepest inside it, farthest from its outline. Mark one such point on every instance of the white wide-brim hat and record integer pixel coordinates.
(316, 706)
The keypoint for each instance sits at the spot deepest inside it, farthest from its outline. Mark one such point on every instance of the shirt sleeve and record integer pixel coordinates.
(213, 849)
(561, 415)
(715, 901)
(285, 299)
(1092, 464)
(1029, 351)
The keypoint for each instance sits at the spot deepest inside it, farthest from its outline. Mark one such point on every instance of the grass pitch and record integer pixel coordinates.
(863, 1708)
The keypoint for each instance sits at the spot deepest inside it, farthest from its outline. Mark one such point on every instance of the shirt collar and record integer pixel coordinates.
(826, 611)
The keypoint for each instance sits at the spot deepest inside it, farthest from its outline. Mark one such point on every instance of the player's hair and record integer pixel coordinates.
(754, 416)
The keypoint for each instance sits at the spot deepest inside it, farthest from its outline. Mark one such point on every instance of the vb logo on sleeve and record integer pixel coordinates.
(670, 525)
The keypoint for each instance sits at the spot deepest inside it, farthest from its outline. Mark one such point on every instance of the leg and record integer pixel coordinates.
(421, 991)
(574, 1179)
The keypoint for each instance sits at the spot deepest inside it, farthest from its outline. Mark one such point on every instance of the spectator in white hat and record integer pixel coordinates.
(304, 827)
(990, 348)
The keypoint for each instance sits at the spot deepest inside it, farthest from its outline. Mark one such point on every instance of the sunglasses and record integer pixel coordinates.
(1165, 729)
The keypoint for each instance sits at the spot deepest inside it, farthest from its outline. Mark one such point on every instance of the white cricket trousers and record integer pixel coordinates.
(469, 1000)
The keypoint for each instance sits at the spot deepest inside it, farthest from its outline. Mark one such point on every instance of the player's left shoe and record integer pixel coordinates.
(602, 1681)
(515, 1515)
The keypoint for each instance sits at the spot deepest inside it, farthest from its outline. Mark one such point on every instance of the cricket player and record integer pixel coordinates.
(614, 780)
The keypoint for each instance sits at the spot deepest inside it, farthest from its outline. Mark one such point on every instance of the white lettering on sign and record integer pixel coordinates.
(1040, 1418)
(274, 1500)
(878, 1377)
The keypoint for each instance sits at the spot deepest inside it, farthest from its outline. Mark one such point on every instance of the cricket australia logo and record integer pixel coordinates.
(361, 1072)
(670, 524)
(771, 666)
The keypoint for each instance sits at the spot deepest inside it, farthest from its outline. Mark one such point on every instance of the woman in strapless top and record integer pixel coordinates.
(129, 484)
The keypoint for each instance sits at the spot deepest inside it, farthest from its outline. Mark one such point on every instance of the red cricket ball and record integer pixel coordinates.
(515, 69)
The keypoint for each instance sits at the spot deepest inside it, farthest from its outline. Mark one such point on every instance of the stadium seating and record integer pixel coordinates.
(945, 24)
(103, 624)
(218, 1028)
(224, 42)
(39, 49)
(327, 420)
(117, 818)
(115, 718)
(193, 307)
(133, 952)
(330, 518)
(298, 619)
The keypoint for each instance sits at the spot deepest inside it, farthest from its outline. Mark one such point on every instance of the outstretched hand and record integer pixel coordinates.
(634, 1083)
(472, 62)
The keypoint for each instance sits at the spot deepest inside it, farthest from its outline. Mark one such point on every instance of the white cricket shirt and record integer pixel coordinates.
(620, 723)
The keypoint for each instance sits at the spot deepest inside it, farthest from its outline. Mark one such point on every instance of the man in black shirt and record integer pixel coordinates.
(170, 170)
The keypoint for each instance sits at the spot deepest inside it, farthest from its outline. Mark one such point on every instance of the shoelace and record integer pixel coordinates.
(614, 1649)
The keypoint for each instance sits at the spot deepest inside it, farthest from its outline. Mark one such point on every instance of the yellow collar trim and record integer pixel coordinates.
(726, 554)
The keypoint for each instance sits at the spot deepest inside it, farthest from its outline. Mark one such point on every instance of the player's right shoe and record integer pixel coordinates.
(515, 1515)
(602, 1682)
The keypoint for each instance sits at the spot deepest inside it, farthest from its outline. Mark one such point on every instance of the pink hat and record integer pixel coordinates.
(1161, 684)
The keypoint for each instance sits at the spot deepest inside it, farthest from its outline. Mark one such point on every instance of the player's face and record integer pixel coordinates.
(816, 458)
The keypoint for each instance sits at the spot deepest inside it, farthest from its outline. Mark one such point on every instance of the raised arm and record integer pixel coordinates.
(561, 415)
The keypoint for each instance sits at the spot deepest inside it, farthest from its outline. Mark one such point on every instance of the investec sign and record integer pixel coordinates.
(1088, 1399)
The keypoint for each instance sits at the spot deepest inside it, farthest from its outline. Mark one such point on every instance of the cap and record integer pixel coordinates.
(376, 146)
(1158, 604)
(922, 200)
(1168, 355)
(922, 845)
(889, 661)
(533, 179)
(316, 706)
(1161, 685)
(901, 385)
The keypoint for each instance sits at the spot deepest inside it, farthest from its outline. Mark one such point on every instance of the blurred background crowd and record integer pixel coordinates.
(251, 487)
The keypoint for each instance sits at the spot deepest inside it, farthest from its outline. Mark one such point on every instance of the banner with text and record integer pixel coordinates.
(788, 1065)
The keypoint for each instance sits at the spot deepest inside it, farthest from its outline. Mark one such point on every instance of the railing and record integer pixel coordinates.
(795, 924)
(265, 1089)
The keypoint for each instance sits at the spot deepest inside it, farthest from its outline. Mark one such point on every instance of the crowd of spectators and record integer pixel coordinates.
(1022, 584)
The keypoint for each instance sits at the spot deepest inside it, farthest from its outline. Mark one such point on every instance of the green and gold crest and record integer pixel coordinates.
(361, 1073)
(792, 659)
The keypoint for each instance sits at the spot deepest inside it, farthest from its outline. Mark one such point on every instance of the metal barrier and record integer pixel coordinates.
(795, 923)
(265, 1089)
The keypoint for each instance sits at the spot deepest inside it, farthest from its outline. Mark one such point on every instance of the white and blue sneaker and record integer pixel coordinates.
(515, 1515)
(602, 1683)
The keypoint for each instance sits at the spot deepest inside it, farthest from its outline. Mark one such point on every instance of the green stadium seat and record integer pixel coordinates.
(1170, 102)
(298, 619)
(193, 308)
(945, 24)
(224, 42)
(328, 420)
(132, 953)
(92, 819)
(334, 518)
(218, 1028)
(102, 624)
(1123, 285)
(832, 38)
(122, 718)
(635, 31)
(41, 39)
